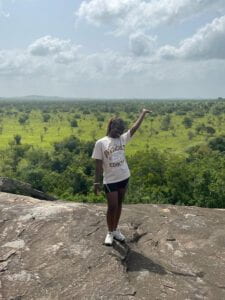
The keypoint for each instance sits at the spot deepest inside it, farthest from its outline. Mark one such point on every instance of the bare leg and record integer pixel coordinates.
(112, 199)
(121, 195)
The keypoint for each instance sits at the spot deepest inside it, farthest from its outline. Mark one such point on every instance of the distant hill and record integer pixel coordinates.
(36, 98)
(57, 98)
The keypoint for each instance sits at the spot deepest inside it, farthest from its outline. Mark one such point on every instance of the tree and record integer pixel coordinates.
(86, 112)
(191, 135)
(71, 143)
(187, 122)
(16, 154)
(200, 128)
(100, 118)
(217, 144)
(17, 139)
(151, 127)
(210, 130)
(77, 116)
(23, 119)
(73, 123)
(166, 123)
(34, 177)
(46, 117)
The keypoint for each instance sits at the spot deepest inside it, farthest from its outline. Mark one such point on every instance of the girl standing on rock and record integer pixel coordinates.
(109, 155)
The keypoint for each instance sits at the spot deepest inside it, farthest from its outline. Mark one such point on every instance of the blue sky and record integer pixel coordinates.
(116, 48)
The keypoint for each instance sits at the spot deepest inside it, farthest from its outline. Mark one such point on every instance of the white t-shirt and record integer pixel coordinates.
(112, 153)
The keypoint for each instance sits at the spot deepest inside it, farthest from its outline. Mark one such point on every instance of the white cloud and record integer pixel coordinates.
(109, 65)
(19, 63)
(62, 51)
(48, 45)
(58, 63)
(101, 11)
(207, 43)
(130, 15)
(141, 45)
(106, 73)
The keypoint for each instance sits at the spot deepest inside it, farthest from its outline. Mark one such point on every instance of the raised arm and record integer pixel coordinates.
(137, 124)
(98, 173)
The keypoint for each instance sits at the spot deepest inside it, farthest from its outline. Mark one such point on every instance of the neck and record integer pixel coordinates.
(113, 136)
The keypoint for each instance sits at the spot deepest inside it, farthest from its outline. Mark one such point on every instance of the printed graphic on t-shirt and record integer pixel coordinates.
(113, 149)
(117, 159)
(115, 155)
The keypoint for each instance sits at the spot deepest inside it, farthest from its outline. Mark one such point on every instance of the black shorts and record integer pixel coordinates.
(112, 187)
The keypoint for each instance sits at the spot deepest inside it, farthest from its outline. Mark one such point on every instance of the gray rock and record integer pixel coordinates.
(14, 186)
(55, 250)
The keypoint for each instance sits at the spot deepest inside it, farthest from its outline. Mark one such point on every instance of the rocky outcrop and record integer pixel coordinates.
(55, 251)
(14, 186)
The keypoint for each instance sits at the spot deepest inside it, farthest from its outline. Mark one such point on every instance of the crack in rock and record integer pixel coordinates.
(136, 237)
(93, 231)
(3, 266)
(127, 294)
(7, 256)
(199, 274)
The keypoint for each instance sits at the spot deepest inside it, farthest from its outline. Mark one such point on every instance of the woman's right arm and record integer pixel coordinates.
(98, 173)
(137, 124)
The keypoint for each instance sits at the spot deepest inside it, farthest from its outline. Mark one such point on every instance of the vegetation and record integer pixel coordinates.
(177, 156)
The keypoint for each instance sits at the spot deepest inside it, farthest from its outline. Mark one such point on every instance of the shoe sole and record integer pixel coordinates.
(106, 244)
(119, 240)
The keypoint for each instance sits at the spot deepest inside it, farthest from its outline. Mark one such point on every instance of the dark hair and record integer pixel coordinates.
(112, 122)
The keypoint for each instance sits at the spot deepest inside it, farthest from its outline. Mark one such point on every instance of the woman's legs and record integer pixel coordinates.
(112, 198)
(121, 195)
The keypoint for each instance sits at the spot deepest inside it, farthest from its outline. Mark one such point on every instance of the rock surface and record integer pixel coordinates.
(55, 251)
(14, 186)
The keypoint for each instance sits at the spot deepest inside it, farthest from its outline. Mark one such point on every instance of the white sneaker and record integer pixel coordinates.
(118, 235)
(109, 239)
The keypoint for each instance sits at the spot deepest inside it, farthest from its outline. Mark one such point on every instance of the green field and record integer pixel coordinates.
(43, 134)
(177, 156)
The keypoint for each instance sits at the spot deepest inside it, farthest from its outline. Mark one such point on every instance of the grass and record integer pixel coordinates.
(41, 134)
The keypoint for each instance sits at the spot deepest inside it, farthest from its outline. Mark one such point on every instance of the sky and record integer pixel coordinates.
(112, 48)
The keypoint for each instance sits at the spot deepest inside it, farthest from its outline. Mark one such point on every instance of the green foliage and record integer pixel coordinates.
(23, 119)
(46, 117)
(71, 143)
(218, 109)
(100, 118)
(217, 143)
(17, 139)
(201, 128)
(187, 122)
(166, 121)
(159, 177)
(73, 123)
(191, 135)
(207, 181)
(168, 163)
(77, 116)
(168, 178)
(34, 177)
(210, 130)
